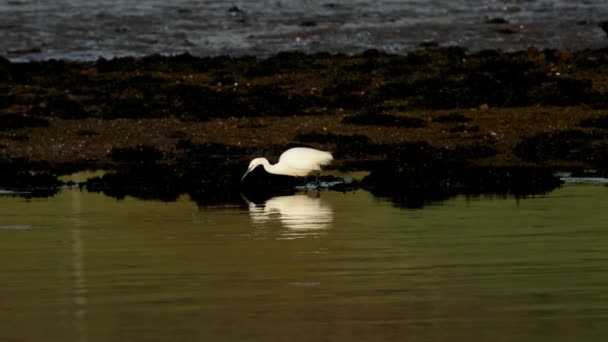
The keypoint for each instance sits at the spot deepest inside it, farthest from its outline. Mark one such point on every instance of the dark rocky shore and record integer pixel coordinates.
(426, 126)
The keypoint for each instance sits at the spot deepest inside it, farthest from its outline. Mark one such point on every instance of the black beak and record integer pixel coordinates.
(245, 175)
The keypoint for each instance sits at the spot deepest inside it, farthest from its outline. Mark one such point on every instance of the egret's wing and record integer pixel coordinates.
(301, 158)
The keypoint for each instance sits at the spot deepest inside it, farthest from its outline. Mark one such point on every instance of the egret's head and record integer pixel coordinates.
(254, 163)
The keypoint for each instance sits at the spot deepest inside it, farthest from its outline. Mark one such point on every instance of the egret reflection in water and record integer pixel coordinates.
(300, 214)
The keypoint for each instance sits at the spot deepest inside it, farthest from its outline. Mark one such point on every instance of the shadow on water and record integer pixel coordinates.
(408, 185)
(416, 174)
(23, 183)
(410, 175)
(417, 187)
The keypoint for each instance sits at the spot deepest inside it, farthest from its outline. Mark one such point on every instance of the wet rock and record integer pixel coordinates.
(212, 151)
(207, 181)
(429, 44)
(223, 77)
(308, 23)
(186, 87)
(234, 9)
(415, 174)
(465, 154)
(415, 187)
(281, 63)
(200, 103)
(6, 99)
(464, 128)
(599, 122)
(269, 100)
(19, 138)
(325, 138)
(372, 53)
(346, 93)
(512, 9)
(483, 106)
(136, 97)
(371, 119)
(27, 184)
(13, 121)
(517, 181)
(567, 92)
(452, 118)
(145, 183)
(137, 155)
(53, 71)
(60, 106)
(181, 63)
(86, 133)
(496, 21)
(570, 145)
(115, 64)
(505, 30)
(604, 26)
(496, 81)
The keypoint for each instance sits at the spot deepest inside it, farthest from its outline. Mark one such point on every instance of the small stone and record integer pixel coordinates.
(604, 26)
(496, 21)
(308, 23)
(234, 10)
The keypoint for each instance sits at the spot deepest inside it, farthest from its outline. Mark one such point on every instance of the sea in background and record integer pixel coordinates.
(90, 29)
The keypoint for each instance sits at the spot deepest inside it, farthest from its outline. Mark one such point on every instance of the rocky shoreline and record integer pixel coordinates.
(426, 126)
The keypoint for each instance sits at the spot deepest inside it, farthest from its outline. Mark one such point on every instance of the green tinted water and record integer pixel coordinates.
(340, 267)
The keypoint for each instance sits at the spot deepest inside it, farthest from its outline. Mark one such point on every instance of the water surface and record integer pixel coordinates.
(332, 266)
(88, 29)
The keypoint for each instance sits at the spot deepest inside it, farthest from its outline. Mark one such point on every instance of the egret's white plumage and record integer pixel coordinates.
(297, 162)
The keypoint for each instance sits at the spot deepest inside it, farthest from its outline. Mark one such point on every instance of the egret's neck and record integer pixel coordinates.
(274, 169)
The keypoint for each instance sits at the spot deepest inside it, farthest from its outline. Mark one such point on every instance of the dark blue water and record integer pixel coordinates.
(88, 29)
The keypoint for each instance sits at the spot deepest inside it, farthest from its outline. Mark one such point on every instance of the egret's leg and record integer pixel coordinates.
(304, 181)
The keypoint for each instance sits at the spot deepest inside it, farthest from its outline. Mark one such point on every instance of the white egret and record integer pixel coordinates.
(297, 162)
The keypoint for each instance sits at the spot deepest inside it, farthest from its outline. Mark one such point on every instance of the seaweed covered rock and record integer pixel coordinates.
(588, 148)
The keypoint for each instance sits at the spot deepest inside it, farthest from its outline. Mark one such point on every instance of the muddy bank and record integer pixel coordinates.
(435, 122)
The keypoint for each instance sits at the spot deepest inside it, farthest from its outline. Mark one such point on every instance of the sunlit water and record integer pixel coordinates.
(332, 267)
(88, 29)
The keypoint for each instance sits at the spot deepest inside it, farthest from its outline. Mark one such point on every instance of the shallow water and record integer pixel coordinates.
(338, 266)
(88, 29)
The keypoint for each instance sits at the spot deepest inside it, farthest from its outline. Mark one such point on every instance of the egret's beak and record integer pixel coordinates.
(245, 175)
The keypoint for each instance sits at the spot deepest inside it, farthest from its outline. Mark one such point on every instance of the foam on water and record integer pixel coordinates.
(591, 180)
